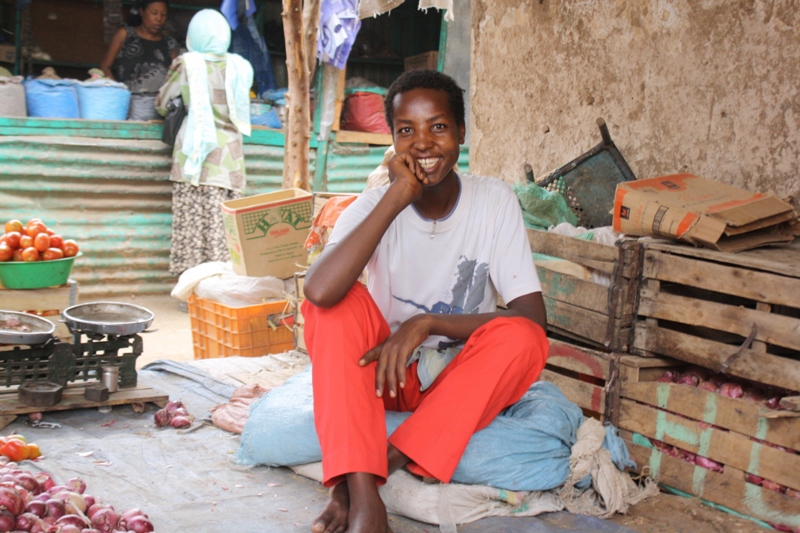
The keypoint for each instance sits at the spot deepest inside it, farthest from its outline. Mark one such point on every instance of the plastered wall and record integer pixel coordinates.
(705, 86)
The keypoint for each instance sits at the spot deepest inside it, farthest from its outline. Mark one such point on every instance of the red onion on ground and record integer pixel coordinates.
(37, 507)
(76, 484)
(162, 418)
(173, 406)
(55, 508)
(106, 520)
(180, 422)
(8, 521)
(73, 519)
(26, 521)
(12, 499)
(140, 524)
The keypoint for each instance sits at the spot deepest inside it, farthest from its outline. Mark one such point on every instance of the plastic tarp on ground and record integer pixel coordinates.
(188, 480)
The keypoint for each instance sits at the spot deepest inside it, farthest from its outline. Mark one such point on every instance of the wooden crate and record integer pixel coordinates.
(743, 437)
(734, 312)
(591, 378)
(47, 303)
(578, 307)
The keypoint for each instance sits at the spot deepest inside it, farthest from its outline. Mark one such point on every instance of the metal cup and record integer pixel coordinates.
(110, 378)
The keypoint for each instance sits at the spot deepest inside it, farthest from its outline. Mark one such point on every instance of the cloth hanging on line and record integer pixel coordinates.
(373, 8)
(338, 27)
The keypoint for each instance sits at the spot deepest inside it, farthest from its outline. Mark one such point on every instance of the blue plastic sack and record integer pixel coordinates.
(51, 98)
(269, 119)
(103, 99)
(527, 447)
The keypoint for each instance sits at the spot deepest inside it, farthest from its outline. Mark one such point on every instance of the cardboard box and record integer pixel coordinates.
(8, 53)
(702, 212)
(266, 232)
(428, 60)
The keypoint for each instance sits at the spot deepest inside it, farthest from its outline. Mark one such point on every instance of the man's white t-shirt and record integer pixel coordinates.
(454, 265)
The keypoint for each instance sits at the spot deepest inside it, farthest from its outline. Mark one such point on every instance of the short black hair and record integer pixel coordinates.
(425, 79)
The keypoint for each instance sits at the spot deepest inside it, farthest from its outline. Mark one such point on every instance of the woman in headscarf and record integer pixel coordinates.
(139, 56)
(208, 159)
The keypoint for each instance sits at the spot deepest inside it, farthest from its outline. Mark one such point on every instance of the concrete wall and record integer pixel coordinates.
(705, 86)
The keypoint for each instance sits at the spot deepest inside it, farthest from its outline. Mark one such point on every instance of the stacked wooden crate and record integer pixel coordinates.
(738, 317)
(579, 305)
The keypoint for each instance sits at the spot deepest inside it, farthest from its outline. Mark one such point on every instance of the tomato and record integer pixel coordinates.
(6, 253)
(17, 254)
(18, 437)
(41, 242)
(56, 241)
(70, 248)
(13, 225)
(33, 451)
(52, 253)
(30, 254)
(12, 238)
(15, 449)
(25, 241)
(35, 228)
(50, 232)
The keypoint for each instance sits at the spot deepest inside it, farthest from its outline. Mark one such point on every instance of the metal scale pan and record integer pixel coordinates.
(108, 318)
(27, 329)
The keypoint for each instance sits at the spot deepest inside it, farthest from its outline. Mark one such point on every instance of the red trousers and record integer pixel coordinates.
(497, 365)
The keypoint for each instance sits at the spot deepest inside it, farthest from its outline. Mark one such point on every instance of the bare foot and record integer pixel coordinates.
(367, 510)
(333, 518)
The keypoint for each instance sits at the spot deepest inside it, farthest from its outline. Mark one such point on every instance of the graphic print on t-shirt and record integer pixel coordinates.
(467, 292)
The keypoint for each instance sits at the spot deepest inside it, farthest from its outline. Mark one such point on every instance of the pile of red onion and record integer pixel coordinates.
(33, 502)
(760, 394)
(173, 414)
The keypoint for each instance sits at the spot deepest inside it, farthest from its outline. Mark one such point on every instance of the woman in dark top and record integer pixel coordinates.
(140, 55)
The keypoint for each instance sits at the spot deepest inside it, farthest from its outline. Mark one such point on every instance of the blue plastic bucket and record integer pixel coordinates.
(51, 98)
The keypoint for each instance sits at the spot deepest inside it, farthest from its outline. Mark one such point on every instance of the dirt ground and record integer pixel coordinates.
(171, 338)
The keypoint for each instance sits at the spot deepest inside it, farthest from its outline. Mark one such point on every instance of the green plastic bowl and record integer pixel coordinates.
(36, 274)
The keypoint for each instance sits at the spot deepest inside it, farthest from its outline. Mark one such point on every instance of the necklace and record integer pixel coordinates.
(433, 229)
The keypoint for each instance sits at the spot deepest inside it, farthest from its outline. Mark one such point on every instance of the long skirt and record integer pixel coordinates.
(198, 234)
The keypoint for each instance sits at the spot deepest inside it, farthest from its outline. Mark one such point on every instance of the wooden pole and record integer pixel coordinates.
(311, 15)
(295, 161)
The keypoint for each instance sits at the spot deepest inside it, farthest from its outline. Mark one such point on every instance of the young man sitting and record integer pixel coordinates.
(425, 334)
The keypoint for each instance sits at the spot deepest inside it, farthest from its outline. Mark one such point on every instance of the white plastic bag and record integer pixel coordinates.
(216, 281)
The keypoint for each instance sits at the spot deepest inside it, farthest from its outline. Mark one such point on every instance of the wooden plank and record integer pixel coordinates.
(572, 290)
(734, 414)
(339, 103)
(584, 323)
(760, 367)
(726, 447)
(728, 488)
(743, 282)
(344, 136)
(772, 328)
(586, 253)
(578, 359)
(779, 260)
(73, 399)
(585, 395)
(791, 403)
